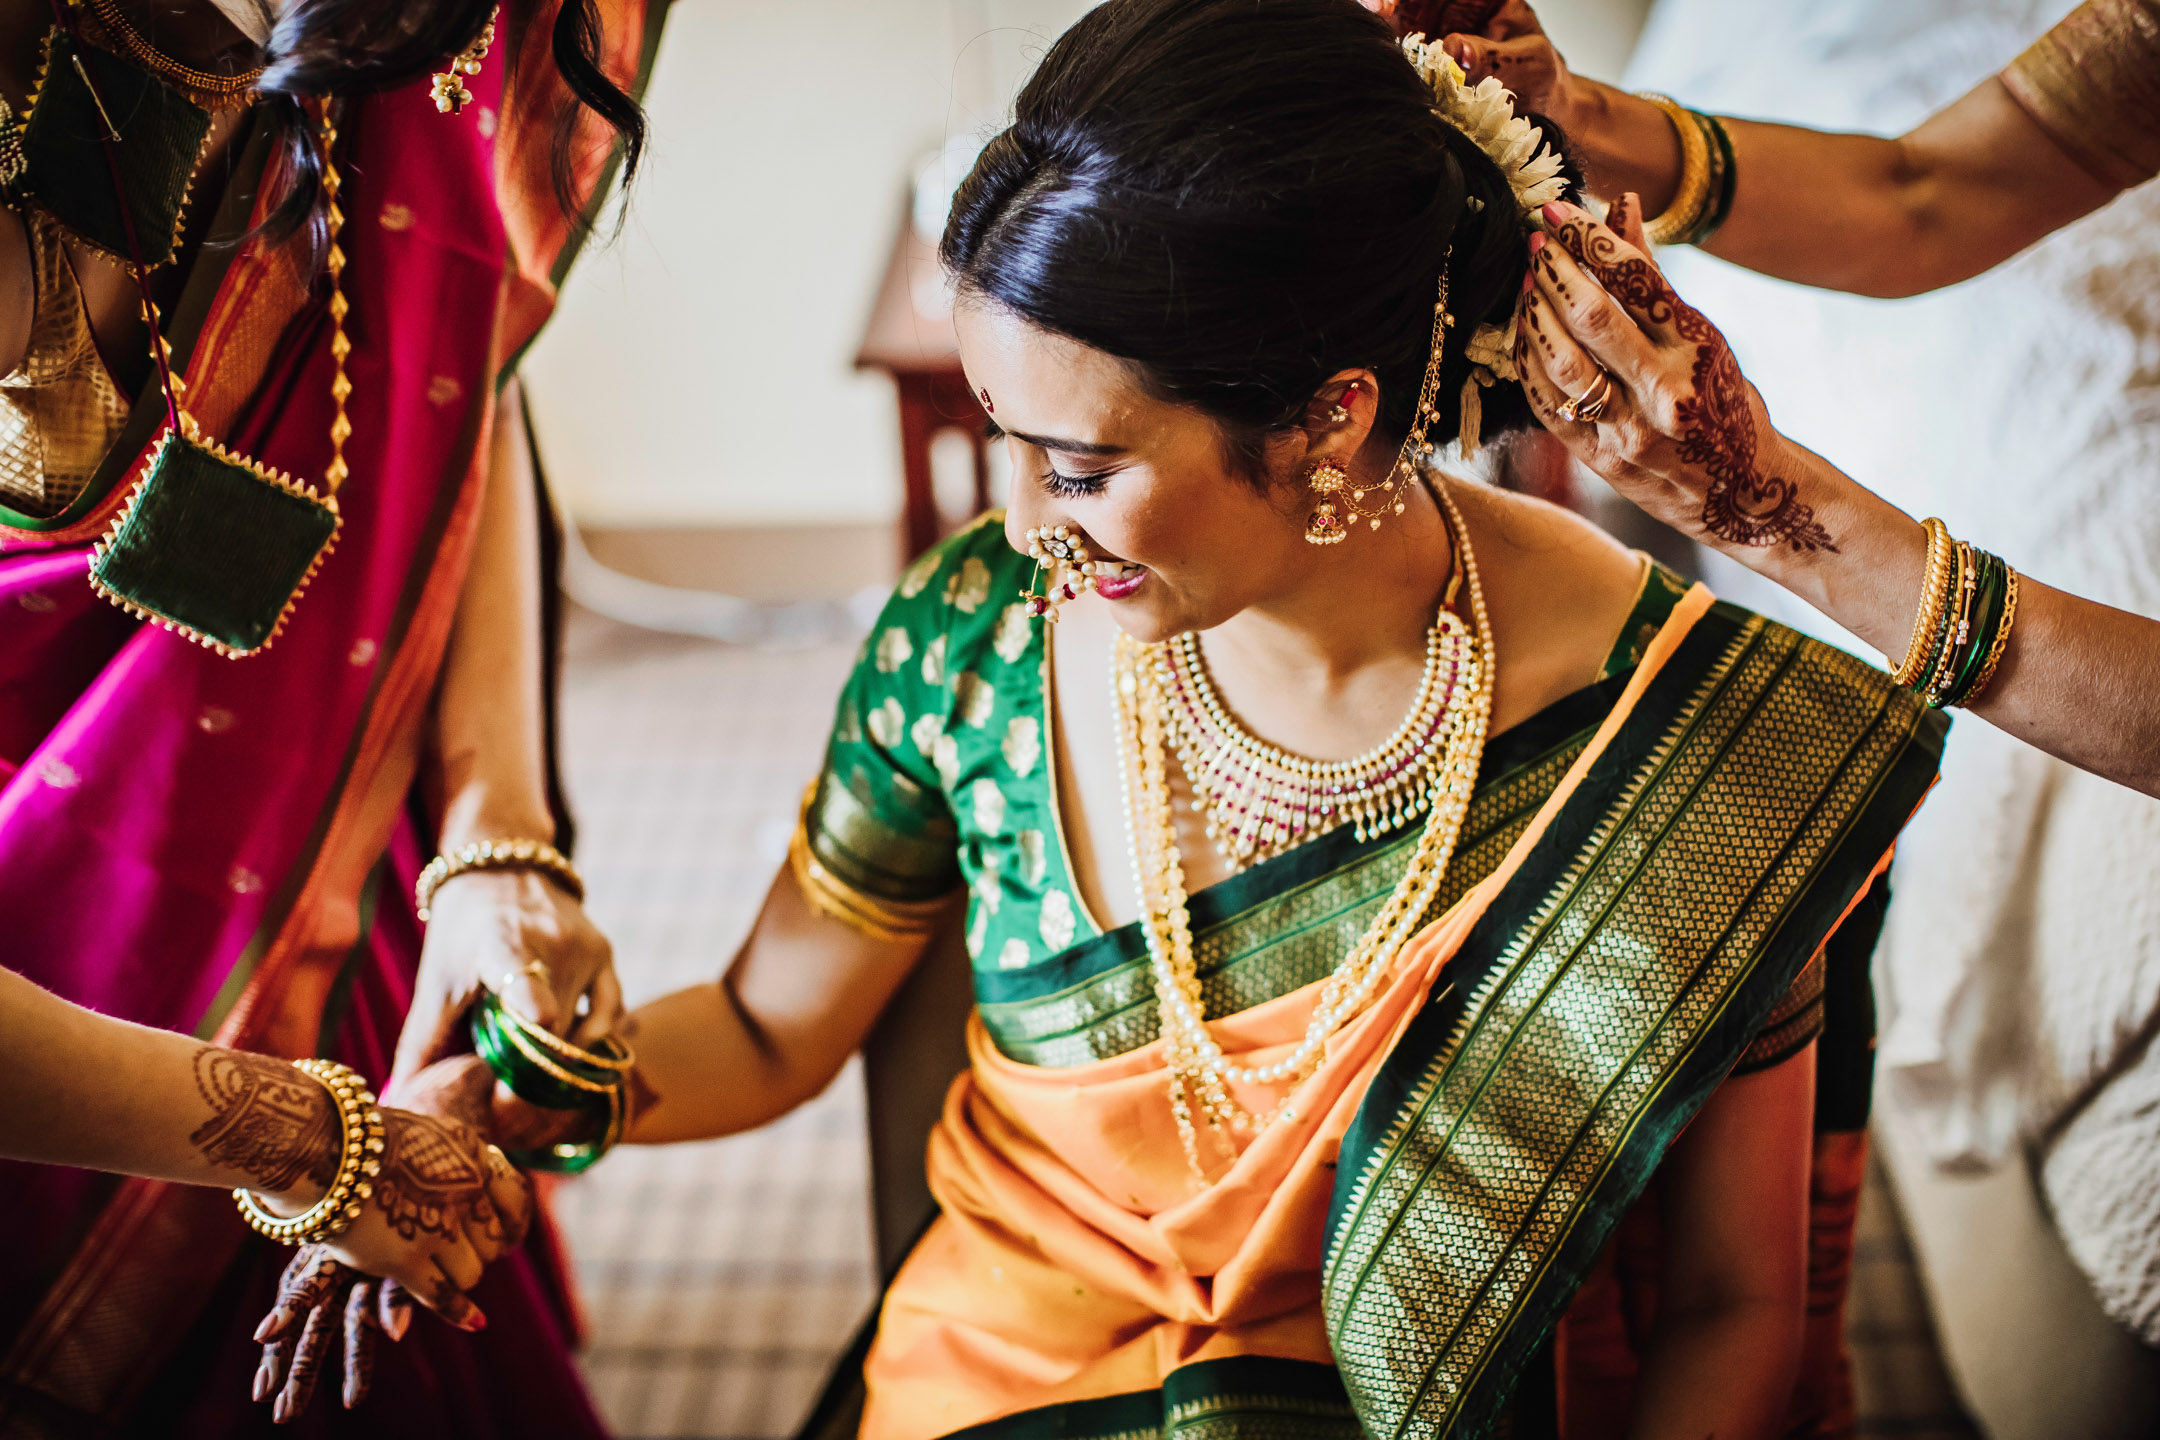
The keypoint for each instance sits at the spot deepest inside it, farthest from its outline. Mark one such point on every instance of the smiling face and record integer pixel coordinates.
(1182, 541)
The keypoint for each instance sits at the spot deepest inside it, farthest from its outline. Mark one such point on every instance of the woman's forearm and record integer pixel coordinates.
(490, 735)
(2077, 678)
(92, 1091)
(1965, 190)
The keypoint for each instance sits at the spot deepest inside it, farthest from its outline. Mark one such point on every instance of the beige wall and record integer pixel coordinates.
(699, 370)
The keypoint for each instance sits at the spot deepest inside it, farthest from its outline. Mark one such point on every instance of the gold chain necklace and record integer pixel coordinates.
(104, 24)
(1200, 1074)
(1261, 800)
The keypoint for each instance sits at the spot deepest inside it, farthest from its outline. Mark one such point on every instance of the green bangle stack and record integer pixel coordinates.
(545, 1070)
(1708, 176)
(1968, 604)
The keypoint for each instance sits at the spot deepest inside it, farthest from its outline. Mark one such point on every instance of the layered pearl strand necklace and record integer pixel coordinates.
(1200, 1074)
(1260, 800)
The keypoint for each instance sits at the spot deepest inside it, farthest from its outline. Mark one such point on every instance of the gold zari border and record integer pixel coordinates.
(1589, 1014)
(830, 896)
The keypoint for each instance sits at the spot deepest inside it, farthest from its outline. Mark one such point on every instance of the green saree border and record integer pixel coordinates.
(1283, 923)
(1468, 1203)
(1248, 1397)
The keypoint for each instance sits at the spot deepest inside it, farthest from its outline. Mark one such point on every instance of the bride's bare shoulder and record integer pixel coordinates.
(1559, 590)
(1558, 549)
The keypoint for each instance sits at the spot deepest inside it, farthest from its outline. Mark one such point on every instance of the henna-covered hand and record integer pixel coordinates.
(443, 1206)
(1684, 434)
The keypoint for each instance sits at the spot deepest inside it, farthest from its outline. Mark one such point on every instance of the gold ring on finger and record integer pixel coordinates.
(538, 969)
(1585, 408)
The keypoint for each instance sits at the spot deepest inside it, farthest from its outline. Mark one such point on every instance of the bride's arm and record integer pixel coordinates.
(1732, 1286)
(771, 1032)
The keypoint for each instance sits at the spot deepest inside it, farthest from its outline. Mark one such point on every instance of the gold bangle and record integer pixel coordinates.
(360, 1125)
(1693, 195)
(575, 1054)
(2002, 639)
(506, 854)
(518, 1034)
(1927, 620)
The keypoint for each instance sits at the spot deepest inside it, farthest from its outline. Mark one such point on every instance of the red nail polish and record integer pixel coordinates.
(1557, 213)
(1537, 241)
(474, 1322)
(1529, 281)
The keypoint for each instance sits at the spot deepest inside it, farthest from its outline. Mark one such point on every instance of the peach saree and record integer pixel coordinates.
(1646, 872)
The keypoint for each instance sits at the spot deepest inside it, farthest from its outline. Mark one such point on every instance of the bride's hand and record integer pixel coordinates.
(522, 935)
(1679, 431)
(445, 1205)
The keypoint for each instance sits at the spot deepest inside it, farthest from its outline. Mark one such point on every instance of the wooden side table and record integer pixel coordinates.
(910, 337)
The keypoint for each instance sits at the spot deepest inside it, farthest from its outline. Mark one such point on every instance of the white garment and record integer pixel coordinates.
(2020, 966)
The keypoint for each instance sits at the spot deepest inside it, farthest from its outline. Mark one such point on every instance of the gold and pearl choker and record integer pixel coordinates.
(1261, 800)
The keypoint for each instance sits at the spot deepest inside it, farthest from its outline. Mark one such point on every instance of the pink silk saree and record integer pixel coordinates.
(226, 847)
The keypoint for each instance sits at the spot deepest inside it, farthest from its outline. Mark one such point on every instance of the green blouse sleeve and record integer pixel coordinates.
(877, 823)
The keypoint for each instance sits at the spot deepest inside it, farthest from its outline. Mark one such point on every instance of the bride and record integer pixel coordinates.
(1383, 890)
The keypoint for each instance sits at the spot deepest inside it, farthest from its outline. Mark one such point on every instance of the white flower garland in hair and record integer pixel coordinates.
(1485, 112)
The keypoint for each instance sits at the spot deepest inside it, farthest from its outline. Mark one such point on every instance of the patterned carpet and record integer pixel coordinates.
(721, 1278)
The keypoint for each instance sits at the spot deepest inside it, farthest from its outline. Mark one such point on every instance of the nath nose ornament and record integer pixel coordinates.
(1057, 549)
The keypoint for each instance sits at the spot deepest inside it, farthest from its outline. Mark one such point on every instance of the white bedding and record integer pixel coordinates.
(2020, 970)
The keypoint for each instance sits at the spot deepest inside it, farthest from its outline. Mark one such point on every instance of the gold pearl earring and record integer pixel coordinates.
(1324, 526)
(1072, 570)
(448, 90)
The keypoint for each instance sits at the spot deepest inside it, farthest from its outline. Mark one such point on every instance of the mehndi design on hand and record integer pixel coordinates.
(269, 1121)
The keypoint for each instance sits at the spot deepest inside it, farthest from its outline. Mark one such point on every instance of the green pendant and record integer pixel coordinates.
(214, 546)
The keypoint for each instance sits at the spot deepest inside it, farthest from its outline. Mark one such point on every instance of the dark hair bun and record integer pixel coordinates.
(1243, 197)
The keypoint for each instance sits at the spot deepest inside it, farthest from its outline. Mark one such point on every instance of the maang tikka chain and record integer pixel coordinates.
(1340, 503)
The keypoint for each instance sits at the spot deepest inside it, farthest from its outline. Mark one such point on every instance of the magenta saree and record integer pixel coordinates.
(226, 847)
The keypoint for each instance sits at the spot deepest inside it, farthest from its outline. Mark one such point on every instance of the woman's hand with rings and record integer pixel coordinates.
(1643, 389)
(516, 932)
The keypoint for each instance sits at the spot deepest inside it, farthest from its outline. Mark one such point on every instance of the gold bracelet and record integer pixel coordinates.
(497, 855)
(2002, 639)
(1928, 619)
(522, 1033)
(1693, 195)
(575, 1054)
(360, 1126)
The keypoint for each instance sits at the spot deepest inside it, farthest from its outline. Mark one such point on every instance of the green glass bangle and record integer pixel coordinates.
(1728, 177)
(1988, 607)
(497, 1039)
(1945, 638)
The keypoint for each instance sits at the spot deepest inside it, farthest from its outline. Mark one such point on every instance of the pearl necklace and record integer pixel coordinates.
(1200, 1074)
(1260, 800)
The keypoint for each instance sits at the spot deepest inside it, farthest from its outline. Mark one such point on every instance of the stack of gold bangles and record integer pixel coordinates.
(359, 1161)
(1704, 196)
(543, 1069)
(1968, 602)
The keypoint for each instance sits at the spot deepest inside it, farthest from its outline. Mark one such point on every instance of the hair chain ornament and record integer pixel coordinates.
(448, 90)
(1200, 1074)
(1059, 550)
(1485, 113)
(1341, 500)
